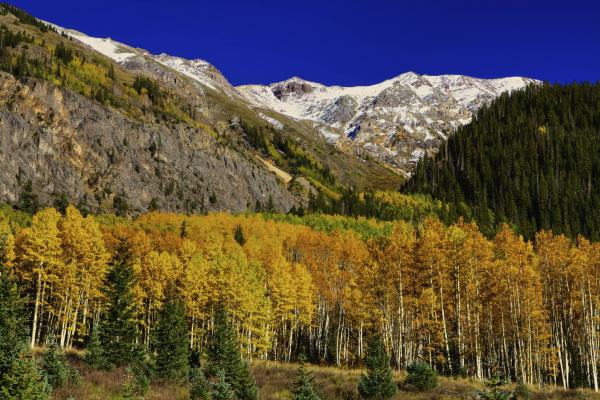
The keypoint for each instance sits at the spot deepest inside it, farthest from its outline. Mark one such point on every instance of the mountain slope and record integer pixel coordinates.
(198, 78)
(530, 159)
(108, 125)
(399, 120)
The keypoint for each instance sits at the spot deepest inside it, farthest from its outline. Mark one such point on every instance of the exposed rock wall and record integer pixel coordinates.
(66, 143)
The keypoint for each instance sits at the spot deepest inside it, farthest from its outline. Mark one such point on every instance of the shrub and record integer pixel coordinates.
(521, 391)
(137, 383)
(421, 376)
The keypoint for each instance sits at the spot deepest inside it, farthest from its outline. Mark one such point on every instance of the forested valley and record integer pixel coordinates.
(479, 278)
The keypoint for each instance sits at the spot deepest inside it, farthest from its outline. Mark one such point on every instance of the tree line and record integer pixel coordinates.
(443, 295)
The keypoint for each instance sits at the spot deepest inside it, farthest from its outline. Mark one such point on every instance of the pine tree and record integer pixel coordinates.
(238, 235)
(94, 354)
(494, 389)
(12, 331)
(172, 341)
(421, 376)
(270, 208)
(221, 389)
(28, 201)
(378, 383)
(304, 387)
(111, 73)
(224, 355)
(54, 366)
(136, 383)
(118, 331)
(20, 378)
(23, 380)
(199, 386)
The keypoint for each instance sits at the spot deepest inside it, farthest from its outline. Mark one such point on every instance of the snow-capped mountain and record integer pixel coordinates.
(399, 120)
(198, 70)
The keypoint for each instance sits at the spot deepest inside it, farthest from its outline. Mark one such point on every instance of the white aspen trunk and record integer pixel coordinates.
(36, 308)
(444, 325)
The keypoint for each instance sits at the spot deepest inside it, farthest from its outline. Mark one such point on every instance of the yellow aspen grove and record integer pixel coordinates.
(476, 258)
(393, 300)
(444, 295)
(588, 275)
(84, 262)
(519, 311)
(154, 271)
(554, 264)
(435, 265)
(39, 255)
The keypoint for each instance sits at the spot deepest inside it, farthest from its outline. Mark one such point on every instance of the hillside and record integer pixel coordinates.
(131, 133)
(530, 159)
(396, 121)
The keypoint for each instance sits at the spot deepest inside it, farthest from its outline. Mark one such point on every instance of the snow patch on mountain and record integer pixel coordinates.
(108, 47)
(275, 123)
(198, 70)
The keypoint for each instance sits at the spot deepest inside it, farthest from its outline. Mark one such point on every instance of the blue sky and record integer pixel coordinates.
(351, 42)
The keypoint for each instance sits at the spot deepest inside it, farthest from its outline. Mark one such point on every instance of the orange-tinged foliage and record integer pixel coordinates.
(443, 295)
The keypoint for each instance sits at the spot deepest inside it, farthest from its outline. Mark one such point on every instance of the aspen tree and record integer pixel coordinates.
(40, 255)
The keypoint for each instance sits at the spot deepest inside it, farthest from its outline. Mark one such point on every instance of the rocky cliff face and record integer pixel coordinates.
(67, 144)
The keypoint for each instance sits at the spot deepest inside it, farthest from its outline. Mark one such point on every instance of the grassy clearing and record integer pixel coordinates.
(275, 381)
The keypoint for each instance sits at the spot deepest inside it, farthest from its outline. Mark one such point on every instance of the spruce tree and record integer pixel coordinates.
(20, 378)
(28, 200)
(421, 376)
(238, 235)
(220, 388)
(118, 331)
(136, 384)
(494, 389)
(12, 325)
(54, 366)
(199, 386)
(378, 382)
(304, 387)
(172, 344)
(94, 354)
(224, 355)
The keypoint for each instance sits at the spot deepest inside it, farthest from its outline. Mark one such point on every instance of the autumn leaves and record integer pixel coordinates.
(447, 296)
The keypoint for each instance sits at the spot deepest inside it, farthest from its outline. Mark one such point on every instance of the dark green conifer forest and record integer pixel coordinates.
(530, 159)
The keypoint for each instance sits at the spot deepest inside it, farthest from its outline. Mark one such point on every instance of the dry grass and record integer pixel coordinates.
(105, 385)
(275, 380)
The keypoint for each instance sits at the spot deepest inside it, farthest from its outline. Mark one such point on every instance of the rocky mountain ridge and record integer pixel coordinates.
(398, 120)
